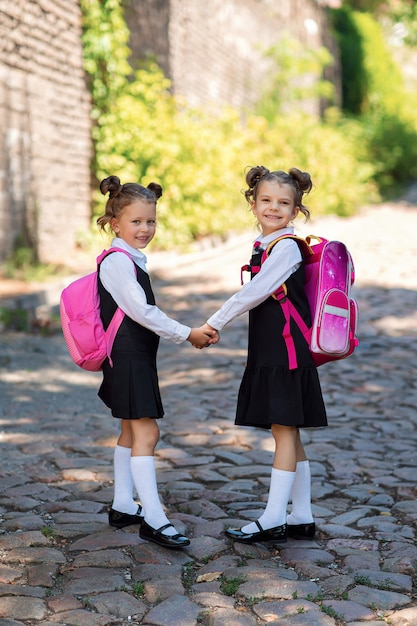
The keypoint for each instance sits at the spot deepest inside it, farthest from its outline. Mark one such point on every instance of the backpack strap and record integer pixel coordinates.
(306, 252)
(304, 245)
(288, 309)
(119, 315)
(280, 295)
(253, 269)
(105, 253)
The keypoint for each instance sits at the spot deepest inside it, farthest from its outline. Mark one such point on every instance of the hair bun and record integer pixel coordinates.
(156, 189)
(110, 185)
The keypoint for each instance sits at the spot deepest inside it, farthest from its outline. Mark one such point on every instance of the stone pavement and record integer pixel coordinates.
(62, 564)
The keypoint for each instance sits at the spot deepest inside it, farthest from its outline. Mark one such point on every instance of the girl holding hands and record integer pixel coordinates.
(130, 385)
(271, 396)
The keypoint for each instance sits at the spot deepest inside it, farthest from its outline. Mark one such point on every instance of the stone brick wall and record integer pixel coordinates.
(213, 51)
(45, 145)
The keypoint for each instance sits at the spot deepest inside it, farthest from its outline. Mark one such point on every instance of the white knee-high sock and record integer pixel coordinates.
(144, 477)
(275, 513)
(301, 496)
(123, 482)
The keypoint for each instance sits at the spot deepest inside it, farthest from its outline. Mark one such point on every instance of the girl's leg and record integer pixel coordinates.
(282, 479)
(301, 492)
(145, 433)
(123, 482)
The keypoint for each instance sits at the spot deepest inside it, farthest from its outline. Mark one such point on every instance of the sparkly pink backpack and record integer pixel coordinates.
(87, 341)
(329, 276)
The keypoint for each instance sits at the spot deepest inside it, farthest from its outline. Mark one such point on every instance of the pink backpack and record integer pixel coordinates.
(87, 341)
(329, 275)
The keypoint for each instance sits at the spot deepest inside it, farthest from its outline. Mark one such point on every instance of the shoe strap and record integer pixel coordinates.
(259, 526)
(164, 527)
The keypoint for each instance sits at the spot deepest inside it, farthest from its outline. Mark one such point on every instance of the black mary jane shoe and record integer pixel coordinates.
(277, 534)
(301, 531)
(120, 520)
(156, 535)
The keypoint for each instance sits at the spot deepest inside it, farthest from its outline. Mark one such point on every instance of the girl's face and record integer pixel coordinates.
(274, 206)
(137, 223)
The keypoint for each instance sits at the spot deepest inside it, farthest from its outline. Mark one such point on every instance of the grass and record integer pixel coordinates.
(14, 319)
(188, 575)
(229, 586)
(49, 532)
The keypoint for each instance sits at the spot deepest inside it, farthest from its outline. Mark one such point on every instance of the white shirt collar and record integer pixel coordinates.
(265, 240)
(138, 256)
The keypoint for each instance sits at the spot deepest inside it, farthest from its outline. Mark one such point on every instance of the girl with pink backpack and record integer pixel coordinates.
(130, 380)
(272, 394)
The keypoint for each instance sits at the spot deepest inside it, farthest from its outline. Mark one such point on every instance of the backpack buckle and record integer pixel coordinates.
(280, 294)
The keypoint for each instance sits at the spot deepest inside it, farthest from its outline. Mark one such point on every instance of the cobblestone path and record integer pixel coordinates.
(62, 564)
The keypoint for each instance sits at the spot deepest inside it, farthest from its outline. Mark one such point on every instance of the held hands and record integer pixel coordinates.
(203, 336)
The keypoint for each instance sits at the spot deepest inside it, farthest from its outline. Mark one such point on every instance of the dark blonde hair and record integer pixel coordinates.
(299, 181)
(120, 196)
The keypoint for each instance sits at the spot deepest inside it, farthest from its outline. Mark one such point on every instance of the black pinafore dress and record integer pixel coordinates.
(130, 388)
(271, 393)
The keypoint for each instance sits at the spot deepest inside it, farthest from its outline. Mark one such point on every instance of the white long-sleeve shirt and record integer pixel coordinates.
(283, 261)
(118, 276)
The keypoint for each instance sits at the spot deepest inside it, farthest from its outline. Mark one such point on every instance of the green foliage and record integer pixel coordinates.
(14, 319)
(383, 77)
(49, 532)
(374, 91)
(329, 150)
(143, 133)
(368, 69)
(354, 85)
(329, 610)
(295, 78)
(104, 38)
(392, 147)
(405, 14)
(151, 136)
(229, 586)
(200, 159)
(138, 589)
(400, 12)
(23, 265)
(364, 5)
(188, 575)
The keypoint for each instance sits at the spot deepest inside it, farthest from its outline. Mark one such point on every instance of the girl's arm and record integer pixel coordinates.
(284, 259)
(118, 277)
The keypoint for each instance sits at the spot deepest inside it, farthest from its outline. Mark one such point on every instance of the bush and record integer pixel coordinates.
(374, 91)
(329, 150)
(295, 79)
(143, 133)
(200, 159)
(392, 148)
(196, 157)
(368, 69)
